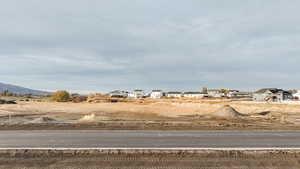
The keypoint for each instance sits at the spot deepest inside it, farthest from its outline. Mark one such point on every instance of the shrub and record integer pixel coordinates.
(79, 99)
(60, 96)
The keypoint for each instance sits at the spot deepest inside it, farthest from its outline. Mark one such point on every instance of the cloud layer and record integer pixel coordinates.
(100, 45)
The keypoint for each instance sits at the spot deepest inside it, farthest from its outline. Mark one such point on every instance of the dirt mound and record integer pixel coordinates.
(227, 112)
(88, 118)
(44, 120)
(92, 118)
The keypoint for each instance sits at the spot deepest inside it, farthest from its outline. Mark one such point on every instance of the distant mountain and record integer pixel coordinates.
(21, 90)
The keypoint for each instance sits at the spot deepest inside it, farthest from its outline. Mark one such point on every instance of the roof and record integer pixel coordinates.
(174, 92)
(193, 93)
(294, 91)
(243, 93)
(137, 90)
(272, 90)
(118, 91)
(115, 91)
(213, 90)
(156, 90)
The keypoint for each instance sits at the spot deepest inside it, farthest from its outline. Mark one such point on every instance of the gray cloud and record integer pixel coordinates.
(173, 45)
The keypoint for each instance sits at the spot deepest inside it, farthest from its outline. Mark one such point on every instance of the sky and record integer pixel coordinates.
(100, 45)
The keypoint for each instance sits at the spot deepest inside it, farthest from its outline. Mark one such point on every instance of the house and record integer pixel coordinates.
(240, 95)
(195, 94)
(136, 94)
(296, 94)
(174, 94)
(272, 94)
(231, 93)
(215, 93)
(118, 93)
(156, 94)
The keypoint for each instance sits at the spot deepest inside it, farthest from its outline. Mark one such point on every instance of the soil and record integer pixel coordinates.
(227, 112)
(158, 114)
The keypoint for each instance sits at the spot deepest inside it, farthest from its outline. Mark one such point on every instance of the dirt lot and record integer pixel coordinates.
(149, 114)
(118, 159)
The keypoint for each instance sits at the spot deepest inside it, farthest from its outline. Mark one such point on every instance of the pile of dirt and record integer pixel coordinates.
(92, 118)
(44, 120)
(88, 118)
(227, 112)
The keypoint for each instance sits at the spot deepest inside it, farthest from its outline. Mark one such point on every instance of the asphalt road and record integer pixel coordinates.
(149, 139)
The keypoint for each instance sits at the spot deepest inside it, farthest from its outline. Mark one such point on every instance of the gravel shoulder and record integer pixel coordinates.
(113, 159)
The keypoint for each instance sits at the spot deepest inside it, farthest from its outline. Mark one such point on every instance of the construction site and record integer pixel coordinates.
(163, 114)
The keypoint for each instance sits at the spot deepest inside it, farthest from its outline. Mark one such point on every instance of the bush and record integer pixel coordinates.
(79, 99)
(60, 96)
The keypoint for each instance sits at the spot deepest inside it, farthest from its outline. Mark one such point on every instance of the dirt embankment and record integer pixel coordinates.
(136, 159)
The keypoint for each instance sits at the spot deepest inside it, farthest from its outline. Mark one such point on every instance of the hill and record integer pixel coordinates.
(21, 90)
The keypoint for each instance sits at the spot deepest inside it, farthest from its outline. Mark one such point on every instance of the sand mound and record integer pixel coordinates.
(227, 112)
(88, 118)
(92, 118)
(44, 120)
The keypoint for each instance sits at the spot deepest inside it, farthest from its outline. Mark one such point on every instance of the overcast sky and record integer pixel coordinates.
(101, 45)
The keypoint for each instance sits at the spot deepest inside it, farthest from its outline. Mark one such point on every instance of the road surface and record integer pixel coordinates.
(149, 139)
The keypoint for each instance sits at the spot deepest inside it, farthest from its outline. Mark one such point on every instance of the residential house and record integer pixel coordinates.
(296, 94)
(119, 94)
(174, 94)
(231, 93)
(156, 94)
(215, 93)
(241, 95)
(136, 94)
(272, 94)
(195, 94)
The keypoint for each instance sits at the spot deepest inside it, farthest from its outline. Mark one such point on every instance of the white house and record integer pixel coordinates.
(296, 94)
(195, 94)
(215, 93)
(118, 93)
(272, 94)
(241, 95)
(136, 94)
(156, 94)
(174, 94)
(232, 93)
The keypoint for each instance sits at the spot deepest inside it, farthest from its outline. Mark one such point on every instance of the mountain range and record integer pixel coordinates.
(21, 90)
